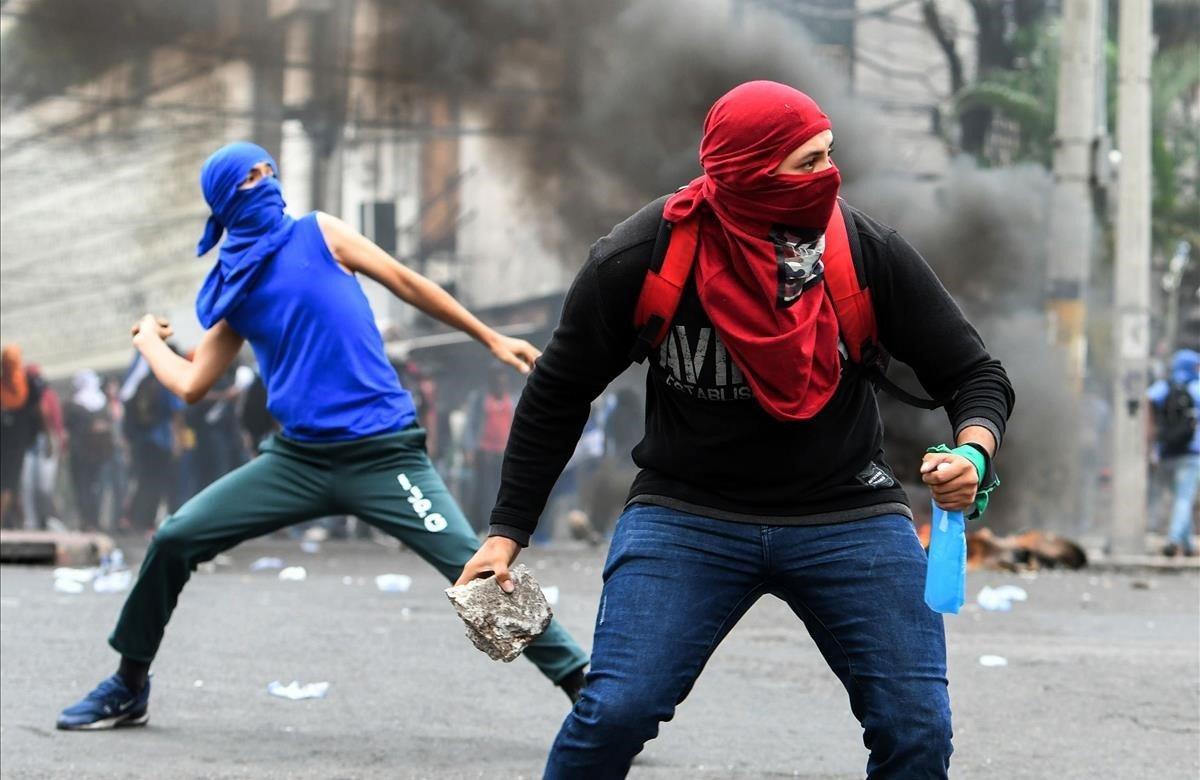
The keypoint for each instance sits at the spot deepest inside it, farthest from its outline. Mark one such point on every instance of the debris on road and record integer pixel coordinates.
(1000, 599)
(113, 581)
(310, 547)
(75, 575)
(114, 561)
(220, 561)
(581, 528)
(393, 583)
(263, 564)
(68, 586)
(60, 548)
(295, 691)
(1029, 551)
(551, 594)
(498, 623)
(293, 574)
(73, 580)
(993, 660)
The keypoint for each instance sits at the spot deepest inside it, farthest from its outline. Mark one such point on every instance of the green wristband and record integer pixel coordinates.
(976, 458)
(984, 493)
(968, 452)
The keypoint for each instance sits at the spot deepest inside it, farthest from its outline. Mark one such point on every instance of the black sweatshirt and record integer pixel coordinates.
(709, 448)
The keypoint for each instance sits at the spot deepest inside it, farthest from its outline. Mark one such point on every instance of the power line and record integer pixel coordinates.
(34, 259)
(224, 53)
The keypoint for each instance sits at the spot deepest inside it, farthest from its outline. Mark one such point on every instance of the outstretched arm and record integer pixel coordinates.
(189, 379)
(586, 353)
(358, 254)
(921, 324)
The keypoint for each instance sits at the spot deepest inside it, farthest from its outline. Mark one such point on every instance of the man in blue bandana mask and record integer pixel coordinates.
(1175, 401)
(350, 442)
(249, 207)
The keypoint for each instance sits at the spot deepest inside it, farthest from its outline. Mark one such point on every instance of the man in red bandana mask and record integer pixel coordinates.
(762, 467)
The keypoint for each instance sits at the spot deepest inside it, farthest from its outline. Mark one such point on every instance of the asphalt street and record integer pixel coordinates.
(1103, 680)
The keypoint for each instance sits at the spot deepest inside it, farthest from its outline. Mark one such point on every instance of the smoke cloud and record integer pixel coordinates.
(606, 100)
(637, 82)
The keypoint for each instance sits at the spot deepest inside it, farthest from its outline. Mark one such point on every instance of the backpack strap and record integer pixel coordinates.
(675, 251)
(676, 247)
(846, 280)
(880, 380)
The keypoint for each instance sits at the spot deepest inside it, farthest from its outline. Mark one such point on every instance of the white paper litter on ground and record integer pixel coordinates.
(293, 574)
(1000, 599)
(993, 660)
(113, 582)
(68, 586)
(551, 594)
(262, 564)
(393, 583)
(295, 691)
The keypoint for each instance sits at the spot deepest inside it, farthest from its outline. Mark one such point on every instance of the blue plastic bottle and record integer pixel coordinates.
(946, 578)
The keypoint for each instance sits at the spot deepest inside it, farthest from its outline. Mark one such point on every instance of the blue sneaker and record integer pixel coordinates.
(111, 705)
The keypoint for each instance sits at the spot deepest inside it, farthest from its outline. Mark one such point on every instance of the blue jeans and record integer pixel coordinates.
(1187, 477)
(676, 583)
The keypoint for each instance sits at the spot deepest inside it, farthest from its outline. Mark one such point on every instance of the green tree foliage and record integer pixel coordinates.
(1020, 83)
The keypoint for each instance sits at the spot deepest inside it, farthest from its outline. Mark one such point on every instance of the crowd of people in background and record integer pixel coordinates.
(118, 452)
(467, 441)
(112, 452)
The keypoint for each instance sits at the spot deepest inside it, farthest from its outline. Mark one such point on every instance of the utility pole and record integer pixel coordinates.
(317, 34)
(267, 76)
(1079, 126)
(1132, 277)
(330, 31)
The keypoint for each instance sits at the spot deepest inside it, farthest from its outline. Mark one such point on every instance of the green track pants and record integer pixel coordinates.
(387, 481)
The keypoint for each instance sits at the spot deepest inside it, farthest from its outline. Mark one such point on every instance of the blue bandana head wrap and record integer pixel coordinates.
(1185, 366)
(253, 219)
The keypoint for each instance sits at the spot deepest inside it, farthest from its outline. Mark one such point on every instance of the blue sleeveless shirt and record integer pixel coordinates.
(320, 354)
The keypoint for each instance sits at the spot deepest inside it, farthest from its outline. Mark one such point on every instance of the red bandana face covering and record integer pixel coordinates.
(759, 271)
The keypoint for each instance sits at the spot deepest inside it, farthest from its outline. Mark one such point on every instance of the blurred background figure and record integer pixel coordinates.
(219, 447)
(256, 420)
(1176, 444)
(39, 476)
(489, 420)
(152, 417)
(605, 480)
(20, 424)
(624, 425)
(570, 501)
(115, 474)
(91, 427)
